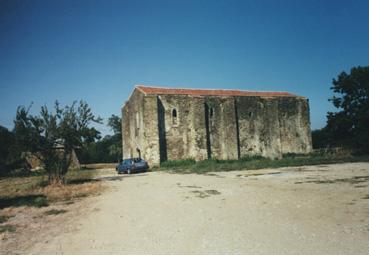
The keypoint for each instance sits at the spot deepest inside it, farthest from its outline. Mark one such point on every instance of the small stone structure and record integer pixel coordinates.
(160, 124)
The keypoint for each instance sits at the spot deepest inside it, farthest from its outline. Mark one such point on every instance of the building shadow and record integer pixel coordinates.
(162, 135)
(207, 129)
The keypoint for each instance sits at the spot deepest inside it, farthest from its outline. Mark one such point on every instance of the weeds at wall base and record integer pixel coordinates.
(257, 162)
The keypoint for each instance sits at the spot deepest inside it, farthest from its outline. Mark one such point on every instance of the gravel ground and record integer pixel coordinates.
(298, 210)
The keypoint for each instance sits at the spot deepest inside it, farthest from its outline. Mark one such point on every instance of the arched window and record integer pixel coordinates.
(174, 116)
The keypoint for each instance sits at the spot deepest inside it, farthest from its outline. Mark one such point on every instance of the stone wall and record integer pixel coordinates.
(258, 127)
(182, 127)
(294, 119)
(133, 127)
(221, 127)
(197, 127)
(151, 143)
(272, 127)
(173, 127)
(140, 134)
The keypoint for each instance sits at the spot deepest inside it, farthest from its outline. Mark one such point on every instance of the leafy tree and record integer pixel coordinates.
(52, 136)
(320, 138)
(106, 150)
(6, 141)
(115, 149)
(115, 123)
(349, 126)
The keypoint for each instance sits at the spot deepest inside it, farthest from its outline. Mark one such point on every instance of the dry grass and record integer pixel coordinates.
(4, 218)
(20, 198)
(100, 166)
(34, 191)
(69, 192)
(55, 212)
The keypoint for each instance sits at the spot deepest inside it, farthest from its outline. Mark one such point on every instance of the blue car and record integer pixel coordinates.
(132, 165)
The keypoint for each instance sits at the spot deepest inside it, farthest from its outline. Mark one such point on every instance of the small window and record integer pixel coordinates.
(174, 116)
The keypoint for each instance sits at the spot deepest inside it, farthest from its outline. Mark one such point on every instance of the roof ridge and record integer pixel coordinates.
(140, 86)
(210, 92)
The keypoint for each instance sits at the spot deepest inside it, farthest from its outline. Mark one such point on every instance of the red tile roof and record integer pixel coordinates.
(210, 92)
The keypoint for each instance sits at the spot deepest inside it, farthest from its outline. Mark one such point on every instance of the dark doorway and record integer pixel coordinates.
(162, 136)
(139, 152)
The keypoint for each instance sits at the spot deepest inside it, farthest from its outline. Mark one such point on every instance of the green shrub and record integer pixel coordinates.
(40, 202)
(7, 228)
(178, 163)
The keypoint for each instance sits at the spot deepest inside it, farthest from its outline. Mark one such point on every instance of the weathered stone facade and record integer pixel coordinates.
(160, 124)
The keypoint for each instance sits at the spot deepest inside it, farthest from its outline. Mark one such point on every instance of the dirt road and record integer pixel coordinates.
(299, 210)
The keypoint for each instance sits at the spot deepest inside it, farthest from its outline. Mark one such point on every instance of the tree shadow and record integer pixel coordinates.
(120, 177)
(352, 180)
(81, 181)
(162, 136)
(27, 200)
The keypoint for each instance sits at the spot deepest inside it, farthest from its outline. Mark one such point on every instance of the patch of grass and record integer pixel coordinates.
(55, 212)
(40, 201)
(71, 191)
(81, 175)
(20, 172)
(7, 228)
(351, 180)
(189, 186)
(20, 185)
(4, 218)
(34, 191)
(24, 200)
(200, 194)
(205, 193)
(256, 162)
(100, 166)
(212, 192)
(178, 163)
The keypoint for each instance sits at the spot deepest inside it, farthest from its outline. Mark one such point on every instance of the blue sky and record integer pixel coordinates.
(97, 50)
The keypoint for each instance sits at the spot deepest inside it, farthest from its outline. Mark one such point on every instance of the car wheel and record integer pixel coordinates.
(128, 171)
